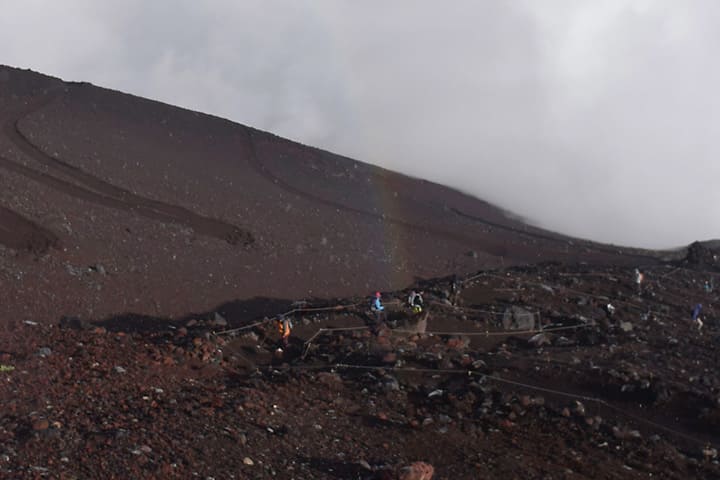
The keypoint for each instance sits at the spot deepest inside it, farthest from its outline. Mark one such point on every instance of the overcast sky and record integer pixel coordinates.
(599, 119)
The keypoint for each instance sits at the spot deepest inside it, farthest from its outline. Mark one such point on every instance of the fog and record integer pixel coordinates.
(596, 119)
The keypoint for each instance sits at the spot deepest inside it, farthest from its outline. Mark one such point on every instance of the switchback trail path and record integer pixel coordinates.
(493, 247)
(77, 183)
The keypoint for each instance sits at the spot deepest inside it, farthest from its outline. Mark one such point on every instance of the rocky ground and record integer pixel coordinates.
(634, 394)
(120, 217)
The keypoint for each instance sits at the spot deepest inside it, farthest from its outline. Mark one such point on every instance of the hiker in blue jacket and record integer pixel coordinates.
(377, 303)
(696, 315)
(377, 307)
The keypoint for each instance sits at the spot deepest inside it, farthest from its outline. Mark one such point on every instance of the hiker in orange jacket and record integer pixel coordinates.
(284, 326)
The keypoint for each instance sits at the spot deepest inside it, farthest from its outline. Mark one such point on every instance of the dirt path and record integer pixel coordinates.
(494, 248)
(85, 186)
(541, 236)
(491, 247)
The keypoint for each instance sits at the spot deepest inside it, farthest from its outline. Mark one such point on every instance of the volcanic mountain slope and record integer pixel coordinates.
(112, 203)
(628, 394)
(120, 217)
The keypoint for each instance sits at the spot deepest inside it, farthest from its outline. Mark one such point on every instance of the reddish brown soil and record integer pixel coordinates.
(191, 399)
(186, 211)
(126, 225)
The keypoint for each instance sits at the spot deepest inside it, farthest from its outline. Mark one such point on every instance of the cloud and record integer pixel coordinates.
(597, 119)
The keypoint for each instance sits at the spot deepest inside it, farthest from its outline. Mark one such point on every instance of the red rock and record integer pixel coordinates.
(457, 343)
(506, 424)
(40, 424)
(329, 379)
(417, 471)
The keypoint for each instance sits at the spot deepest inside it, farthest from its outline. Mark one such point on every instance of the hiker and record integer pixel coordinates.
(610, 309)
(696, 316)
(415, 300)
(284, 326)
(411, 298)
(639, 277)
(454, 290)
(708, 286)
(377, 307)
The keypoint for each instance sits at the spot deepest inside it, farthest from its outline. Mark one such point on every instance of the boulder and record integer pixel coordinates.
(518, 318)
(626, 326)
(417, 324)
(219, 320)
(330, 379)
(564, 342)
(702, 255)
(44, 352)
(389, 384)
(539, 339)
(417, 471)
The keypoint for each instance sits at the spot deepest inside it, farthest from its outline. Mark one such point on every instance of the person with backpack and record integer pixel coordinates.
(639, 278)
(415, 301)
(455, 289)
(284, 326)
(696, 316)
(377, 307)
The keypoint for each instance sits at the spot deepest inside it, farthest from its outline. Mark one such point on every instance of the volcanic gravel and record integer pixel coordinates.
(146, 251)
(631, 395)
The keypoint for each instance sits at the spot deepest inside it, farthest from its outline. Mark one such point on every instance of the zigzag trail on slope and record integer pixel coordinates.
(90, 188)
(96, 190)
(492, 247)
(541, 236)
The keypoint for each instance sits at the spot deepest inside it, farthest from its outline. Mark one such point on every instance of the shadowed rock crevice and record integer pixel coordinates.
(19, 233)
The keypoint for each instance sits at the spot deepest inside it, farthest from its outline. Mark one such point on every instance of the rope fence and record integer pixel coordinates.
(599, 401)
(634, 305)
(289, 312)
(515, 383)
(637, 306)
(504, 333)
